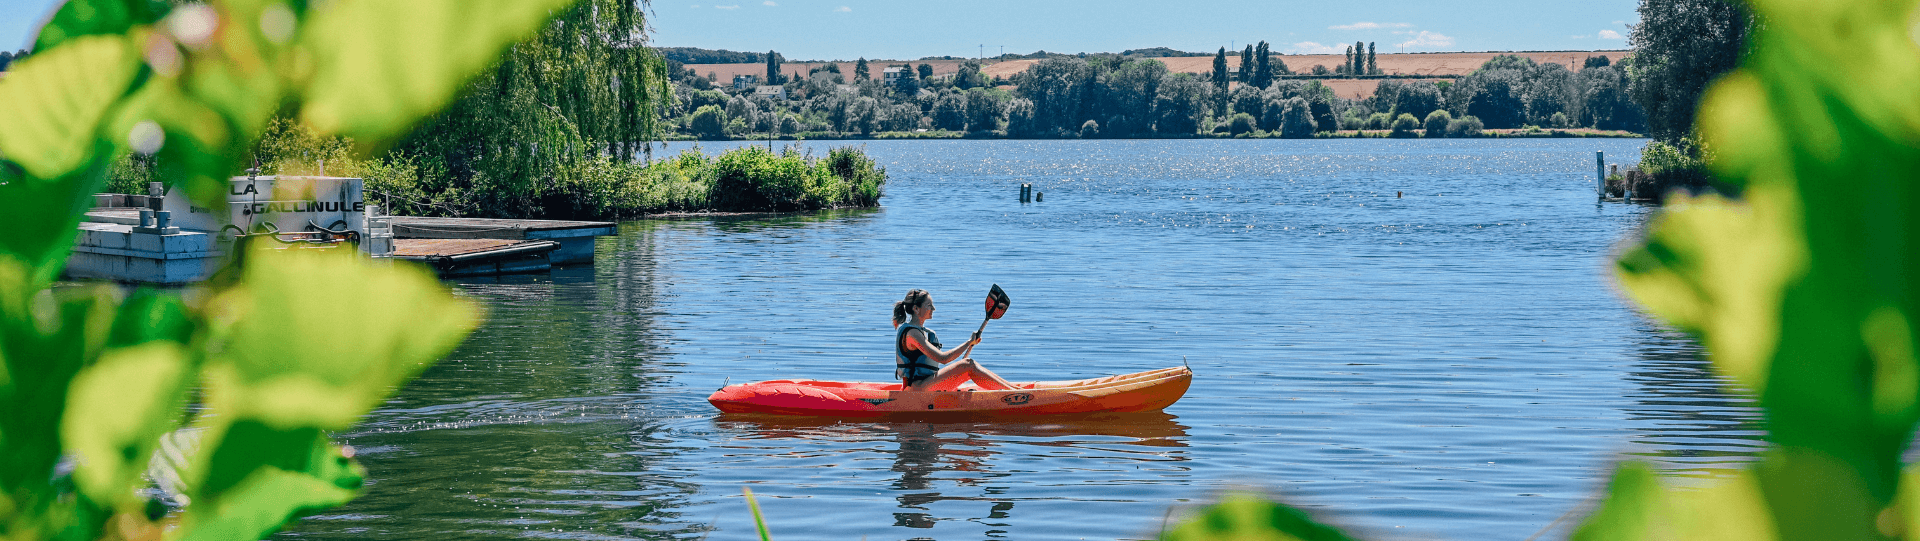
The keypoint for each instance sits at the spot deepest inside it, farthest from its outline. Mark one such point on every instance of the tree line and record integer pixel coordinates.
(1117, 96)
(8, 58)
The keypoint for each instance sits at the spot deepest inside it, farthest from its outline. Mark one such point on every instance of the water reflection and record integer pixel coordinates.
(967, 461)
(1693, 422)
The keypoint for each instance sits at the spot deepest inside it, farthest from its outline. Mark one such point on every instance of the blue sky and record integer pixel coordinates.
(893, 29)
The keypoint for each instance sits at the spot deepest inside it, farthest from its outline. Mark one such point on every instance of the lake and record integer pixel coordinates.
(1411, 339)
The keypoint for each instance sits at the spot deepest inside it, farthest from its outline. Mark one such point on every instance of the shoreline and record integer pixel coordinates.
(1510, 133)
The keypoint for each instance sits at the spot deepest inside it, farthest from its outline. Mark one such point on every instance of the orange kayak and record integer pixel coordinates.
(1144, 391)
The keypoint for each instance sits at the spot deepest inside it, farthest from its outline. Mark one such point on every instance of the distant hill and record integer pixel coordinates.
(1159, 52)
(696, 55)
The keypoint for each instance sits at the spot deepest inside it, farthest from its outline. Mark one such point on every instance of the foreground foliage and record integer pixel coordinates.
(1804, 291)
(235, 383)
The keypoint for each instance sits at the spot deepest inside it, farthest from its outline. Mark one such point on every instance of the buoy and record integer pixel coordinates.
(1397, 195)
(1037, 196)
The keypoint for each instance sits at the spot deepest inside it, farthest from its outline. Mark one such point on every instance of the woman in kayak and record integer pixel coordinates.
(917, 357)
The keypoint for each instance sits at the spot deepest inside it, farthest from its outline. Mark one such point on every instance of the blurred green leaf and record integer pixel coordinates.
(52, 103)
(1251, 518)
(45, 339)
(78, 18)
(259, 504)
(116, 411)
(1804, 292)
(1717, 268)
(1638, 506)
(43, 218)
(318, 337)
(362, 89)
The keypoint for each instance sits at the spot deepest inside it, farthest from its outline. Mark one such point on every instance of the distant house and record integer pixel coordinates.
(743, 82)
(892, 74)
(771, 91)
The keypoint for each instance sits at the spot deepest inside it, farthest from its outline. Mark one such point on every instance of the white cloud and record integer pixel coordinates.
(769, 3)
(1364, 25)
(843, 9)
(1428, 39)
(728, 8)
(1308, 47)
(696, 6)
(1609, 34)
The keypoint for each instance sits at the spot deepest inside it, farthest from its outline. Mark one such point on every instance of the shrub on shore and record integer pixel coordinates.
(748, 179)
(1436, 124)
(1466, 126)
(1675, 166)
(1404, 125)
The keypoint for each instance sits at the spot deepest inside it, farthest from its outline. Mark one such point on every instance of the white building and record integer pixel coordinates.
(771, 91)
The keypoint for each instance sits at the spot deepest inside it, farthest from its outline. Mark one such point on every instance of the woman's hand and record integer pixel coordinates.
(975, 339)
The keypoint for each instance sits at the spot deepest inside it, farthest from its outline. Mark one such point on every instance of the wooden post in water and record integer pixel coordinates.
(1026, 192)
(1600, 172)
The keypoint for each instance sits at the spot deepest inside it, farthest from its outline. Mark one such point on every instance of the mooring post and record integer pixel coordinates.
(1600, 173)
(1026, 192)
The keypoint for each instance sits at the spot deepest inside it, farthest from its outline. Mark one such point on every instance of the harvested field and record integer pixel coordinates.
(1447, 64)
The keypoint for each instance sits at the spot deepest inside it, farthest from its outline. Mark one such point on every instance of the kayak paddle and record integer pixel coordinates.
(997, 303)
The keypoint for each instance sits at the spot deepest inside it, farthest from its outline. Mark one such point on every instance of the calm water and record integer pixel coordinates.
(1452, 363)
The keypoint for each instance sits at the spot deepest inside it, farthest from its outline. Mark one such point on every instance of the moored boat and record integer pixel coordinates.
(1142, 391)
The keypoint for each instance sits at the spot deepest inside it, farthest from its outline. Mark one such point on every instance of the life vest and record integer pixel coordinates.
(913, 366)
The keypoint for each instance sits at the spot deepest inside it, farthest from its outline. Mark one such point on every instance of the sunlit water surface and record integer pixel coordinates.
(1413, 339)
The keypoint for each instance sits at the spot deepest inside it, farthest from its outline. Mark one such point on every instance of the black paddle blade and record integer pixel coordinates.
(997, 302)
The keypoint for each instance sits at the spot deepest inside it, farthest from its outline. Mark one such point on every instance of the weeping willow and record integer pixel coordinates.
(584, 89)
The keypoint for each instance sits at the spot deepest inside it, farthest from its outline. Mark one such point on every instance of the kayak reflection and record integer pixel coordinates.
(957, 456)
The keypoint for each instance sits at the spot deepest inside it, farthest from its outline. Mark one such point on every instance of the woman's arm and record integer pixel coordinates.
(918, 340)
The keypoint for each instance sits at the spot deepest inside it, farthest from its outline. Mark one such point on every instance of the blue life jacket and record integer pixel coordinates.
(913, 366)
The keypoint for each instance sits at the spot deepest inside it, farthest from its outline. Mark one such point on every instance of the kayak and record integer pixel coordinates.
(1152, 390)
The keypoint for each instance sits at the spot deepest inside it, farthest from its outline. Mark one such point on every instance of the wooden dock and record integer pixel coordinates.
(575, 239)
(478, 257)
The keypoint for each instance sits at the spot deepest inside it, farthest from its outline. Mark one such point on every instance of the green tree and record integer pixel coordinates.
(985, 108)
(578, 88)
(1246, 65)
(950, 111)
(1606, 104)
(1263, 69)
(1179, 104)
(1404, 124)
(906, 84)
(709, 122)
(1678, 48)
(1220, 77)
(1359, 59)
(1347, 67)
(925, 71)
(969, 76)
(1297, 119)
(1466, 126)
(1417, 99)
(1240, 123)
(1373, 68)
(860, 70)
(1436, 124)
(1249, 100)
(773, 68)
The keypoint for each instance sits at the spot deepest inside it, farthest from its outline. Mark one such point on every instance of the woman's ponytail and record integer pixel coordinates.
(905, 307)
